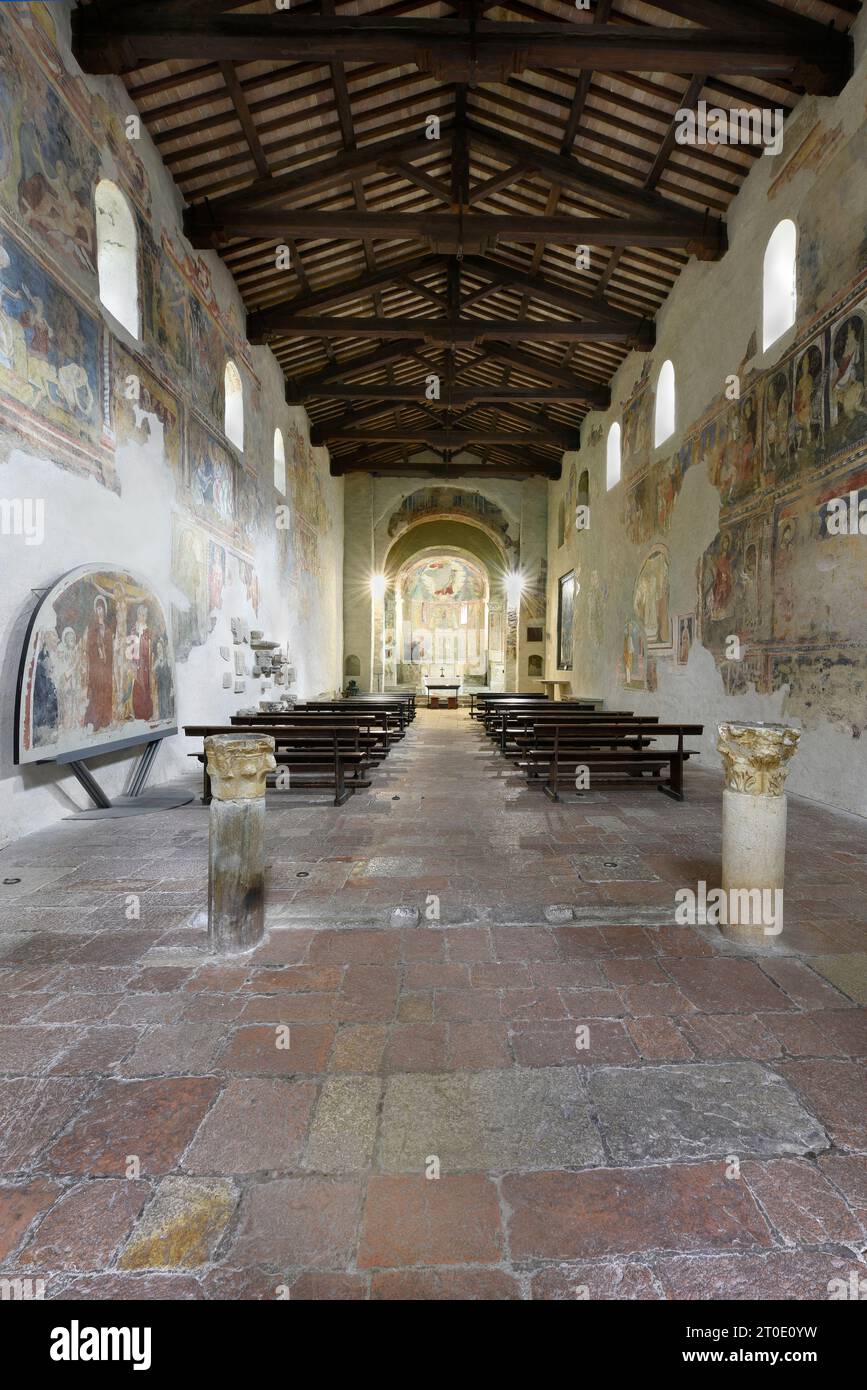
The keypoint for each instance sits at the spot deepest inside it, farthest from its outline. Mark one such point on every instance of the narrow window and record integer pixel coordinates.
(117, 255)
(279, 462)
(612, 457)
(779, 282)
(233, 426)
(664, 419)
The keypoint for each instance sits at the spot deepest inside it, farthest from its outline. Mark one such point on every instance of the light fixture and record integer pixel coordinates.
(377, 585)
(514, 584)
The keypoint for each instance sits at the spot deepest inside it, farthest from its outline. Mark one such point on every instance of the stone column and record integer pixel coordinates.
(755, 758)
(237, 764)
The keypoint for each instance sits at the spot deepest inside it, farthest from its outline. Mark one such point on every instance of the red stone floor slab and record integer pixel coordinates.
(145, 1086)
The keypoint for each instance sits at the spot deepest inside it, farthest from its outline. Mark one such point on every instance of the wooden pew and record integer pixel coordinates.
(373, 728)
(321, 756)
(516, 730)
(621, 748)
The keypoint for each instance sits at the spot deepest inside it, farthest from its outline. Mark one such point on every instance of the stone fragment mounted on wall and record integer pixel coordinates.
(240, 687)
(239, 630)
(227, 680)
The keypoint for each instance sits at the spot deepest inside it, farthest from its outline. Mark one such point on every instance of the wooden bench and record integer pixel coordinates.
(557, 751)
(373, 729)
(321, 757)
(517, 731)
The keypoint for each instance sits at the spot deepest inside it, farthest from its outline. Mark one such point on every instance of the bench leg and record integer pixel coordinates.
(674, 786)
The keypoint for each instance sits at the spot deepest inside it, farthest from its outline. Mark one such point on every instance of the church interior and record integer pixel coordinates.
(433, 526)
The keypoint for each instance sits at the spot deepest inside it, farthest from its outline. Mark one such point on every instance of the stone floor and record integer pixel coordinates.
(616, 1107)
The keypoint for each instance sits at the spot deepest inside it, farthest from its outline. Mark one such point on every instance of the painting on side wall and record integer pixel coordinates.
(633, 673)
(211, 480)
(565, 620)
(166, 304)
(189, 573)
(97, 669)
(650, 599)
(685, 637)
(137, 396)
(48, 164)
(49, 348)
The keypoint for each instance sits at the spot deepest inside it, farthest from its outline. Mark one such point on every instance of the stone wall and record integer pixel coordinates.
(723, 532)
(121, 440)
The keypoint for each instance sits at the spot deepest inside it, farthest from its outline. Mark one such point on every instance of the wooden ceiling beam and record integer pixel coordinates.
(312, 383)
(639, 333)
(206, 225)
(453, 440)
(447, 330)
(454, 50)
(261, 323)
(588, 395)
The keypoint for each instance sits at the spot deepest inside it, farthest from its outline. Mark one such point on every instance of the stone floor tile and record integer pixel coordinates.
(837, 1093)
(776, 1277)
(414, 1220)
(256, 1125)
(489, 1120)
(308, 1222)
(566, 1216)
(182, 1226)
(32, 1112)
(443, 1285)
(847, 972)
(86, 1225)
(150, 1120)
(727, 986)
(799, 1202)
(567, 1043)
(613, 1280)
(358, 1047)
(20, 1205)
(699, 1110)
(266, 1050)
(343, 1131)
(659, 1039)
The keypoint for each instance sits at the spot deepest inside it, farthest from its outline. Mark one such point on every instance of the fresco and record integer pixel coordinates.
(212, 485)
(633, 664)
(49, 347)
(136, 395)
(166, 305)
(209, 354)
(565, 621)
(650, 598)
(445, 501)
(440, 616)
(98, 666)
(48, 164)
(190, 625)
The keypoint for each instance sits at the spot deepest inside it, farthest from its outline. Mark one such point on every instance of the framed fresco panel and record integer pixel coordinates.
(565, 617)
(97, 671)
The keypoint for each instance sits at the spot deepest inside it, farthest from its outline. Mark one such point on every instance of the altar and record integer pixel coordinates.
(443, 695)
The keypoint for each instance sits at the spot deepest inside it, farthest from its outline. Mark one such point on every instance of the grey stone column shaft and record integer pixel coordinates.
(237, 766)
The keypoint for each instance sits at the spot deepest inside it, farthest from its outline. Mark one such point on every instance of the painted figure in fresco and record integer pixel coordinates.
(142, 699)
(628, 653)
(848, 386)
(651, 597)
(45, 708)
(807, 401)
(100, 653)
(70, 682)
(216, 575)
(778, 422)
(163, 676)
(685, 641)
(723, 582)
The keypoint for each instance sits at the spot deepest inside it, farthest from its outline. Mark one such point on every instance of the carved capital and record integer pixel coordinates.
(756, 756)
(237, 764)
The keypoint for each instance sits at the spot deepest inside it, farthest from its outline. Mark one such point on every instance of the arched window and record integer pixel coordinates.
(664, 417)
(279, 462)
(233, 426)
(117, 255)
(779, 282)
(612, 456)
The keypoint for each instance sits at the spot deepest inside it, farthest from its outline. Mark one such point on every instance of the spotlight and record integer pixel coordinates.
(377, 585)
(514, 584)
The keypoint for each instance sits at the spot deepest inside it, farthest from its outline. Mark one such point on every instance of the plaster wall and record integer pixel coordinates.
(132, 483)
(731, 512)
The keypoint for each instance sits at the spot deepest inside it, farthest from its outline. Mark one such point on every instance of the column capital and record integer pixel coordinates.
(755, 756)
(237, 765)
